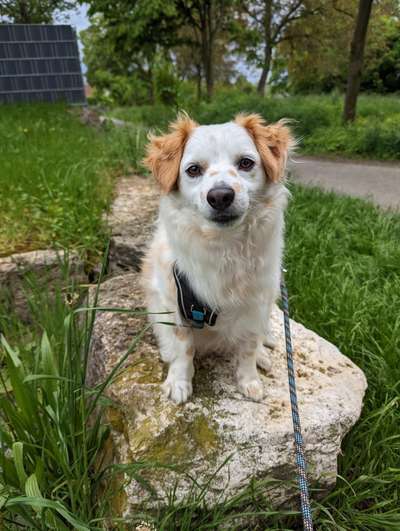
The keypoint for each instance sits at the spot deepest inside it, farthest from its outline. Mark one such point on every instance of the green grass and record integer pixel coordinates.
(343, 262)
(56, 178)
(53, 437)
(316, 120)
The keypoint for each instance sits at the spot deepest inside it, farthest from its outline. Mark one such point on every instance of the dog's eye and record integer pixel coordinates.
(246, 164)
(194, 170)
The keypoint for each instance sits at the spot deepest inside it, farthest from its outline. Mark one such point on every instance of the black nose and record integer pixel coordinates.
(220, 198)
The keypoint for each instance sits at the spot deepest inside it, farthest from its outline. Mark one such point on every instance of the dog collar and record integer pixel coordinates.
(191, 308)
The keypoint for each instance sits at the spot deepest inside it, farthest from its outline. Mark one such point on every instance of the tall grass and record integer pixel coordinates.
(317, 120)
(56, 178)
(343, 263)
(53, 474)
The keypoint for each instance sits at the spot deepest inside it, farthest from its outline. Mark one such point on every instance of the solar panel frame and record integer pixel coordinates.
(40, 62)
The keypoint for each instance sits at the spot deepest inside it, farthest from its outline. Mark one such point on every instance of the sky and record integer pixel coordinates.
(79, 21)
(78, 18)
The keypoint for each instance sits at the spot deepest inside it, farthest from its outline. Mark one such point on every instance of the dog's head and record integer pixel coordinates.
(219, 169)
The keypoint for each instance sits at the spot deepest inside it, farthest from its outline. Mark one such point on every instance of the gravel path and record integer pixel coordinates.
(377, 181)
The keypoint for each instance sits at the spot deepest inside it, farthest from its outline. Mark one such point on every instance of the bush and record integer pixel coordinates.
(316, 120)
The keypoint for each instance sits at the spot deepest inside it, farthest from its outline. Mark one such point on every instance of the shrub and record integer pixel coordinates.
(316, 120)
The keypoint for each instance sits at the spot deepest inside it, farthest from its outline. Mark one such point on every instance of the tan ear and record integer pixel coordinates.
(164, 153)
(273, 142)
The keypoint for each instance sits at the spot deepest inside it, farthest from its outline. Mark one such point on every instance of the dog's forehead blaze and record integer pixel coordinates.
(164, 153)
(272, 142)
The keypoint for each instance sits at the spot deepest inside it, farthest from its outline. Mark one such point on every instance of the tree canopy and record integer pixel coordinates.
(315, 55)
(139, 50)
(32, 11)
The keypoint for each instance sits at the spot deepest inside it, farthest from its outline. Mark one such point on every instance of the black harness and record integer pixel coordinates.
(192, 309)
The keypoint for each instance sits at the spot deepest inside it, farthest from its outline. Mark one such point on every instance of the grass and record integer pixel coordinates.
(52, 435)
(56, 178)
(56, 174)
(343, 263)
(316, 120)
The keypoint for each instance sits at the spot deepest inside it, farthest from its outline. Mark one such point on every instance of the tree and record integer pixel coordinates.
(125, 42)
(145, 28)
(32, 11)
(314, 57)
(208, 19)
(265, 24)
(188, 59)
(356, 59)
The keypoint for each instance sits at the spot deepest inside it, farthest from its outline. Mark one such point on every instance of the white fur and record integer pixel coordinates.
(234, 268)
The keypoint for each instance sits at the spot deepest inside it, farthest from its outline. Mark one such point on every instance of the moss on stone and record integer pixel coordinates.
(119, 498)
(180, 442)
(144, 371)
(204, 433)
(116, 419)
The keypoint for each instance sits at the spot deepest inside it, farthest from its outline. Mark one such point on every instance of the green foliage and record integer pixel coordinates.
(56, 178)
(343, 264)
(316, 120)
(305, 44)
(166, 82)
(32, 11)
(125, 147)
(381, 75)
(315, 56)
(53, 474)
(126, 50)
(260, 27)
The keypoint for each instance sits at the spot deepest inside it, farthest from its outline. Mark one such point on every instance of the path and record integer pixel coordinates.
(376, 181)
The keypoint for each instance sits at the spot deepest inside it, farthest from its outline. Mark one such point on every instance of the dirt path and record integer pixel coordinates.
(377, 181)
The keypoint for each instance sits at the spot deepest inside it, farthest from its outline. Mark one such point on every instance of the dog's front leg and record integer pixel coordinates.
(269, 339)
(249, 381)
(177, 349)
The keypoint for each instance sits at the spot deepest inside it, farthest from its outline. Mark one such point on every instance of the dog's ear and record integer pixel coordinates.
(164, 153)
(273, 142)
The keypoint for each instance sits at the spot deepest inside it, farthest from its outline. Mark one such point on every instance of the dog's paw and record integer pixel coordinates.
(253, 389)
(177, 390)
(263, 359)
(270, 341)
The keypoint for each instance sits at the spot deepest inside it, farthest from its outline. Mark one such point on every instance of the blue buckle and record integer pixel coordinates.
(198, 318)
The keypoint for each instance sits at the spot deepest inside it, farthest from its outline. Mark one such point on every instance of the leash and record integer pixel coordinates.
(298, 439)
(199, 313)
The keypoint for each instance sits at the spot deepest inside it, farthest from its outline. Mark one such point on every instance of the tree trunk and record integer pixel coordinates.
(265, 71)
(209, 71)
(198, 82)
(356, 60)
(267, 21)
(207, 46)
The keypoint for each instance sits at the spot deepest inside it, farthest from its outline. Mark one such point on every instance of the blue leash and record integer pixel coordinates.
(298, 439)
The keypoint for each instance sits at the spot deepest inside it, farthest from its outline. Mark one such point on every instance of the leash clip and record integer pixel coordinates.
(198, 317)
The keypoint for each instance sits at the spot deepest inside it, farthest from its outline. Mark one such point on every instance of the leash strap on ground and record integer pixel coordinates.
(298, 439)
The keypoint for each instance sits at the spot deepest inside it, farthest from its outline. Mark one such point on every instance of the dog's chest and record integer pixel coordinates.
(226, 284)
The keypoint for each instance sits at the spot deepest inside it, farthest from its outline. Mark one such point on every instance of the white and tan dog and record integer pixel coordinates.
(221, 222)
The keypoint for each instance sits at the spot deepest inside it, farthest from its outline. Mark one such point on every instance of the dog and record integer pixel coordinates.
(215, 258)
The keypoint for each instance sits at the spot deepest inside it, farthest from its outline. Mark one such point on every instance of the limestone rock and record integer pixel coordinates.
(45, 267)
(131, 221)
(218, 423)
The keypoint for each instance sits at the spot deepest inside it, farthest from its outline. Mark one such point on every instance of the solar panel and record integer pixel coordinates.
(40, 62)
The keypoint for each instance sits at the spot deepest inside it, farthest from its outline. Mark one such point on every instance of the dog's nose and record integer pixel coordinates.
(220, 198)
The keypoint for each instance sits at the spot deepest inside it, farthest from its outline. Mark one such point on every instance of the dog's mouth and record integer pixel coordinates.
(225, 219)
